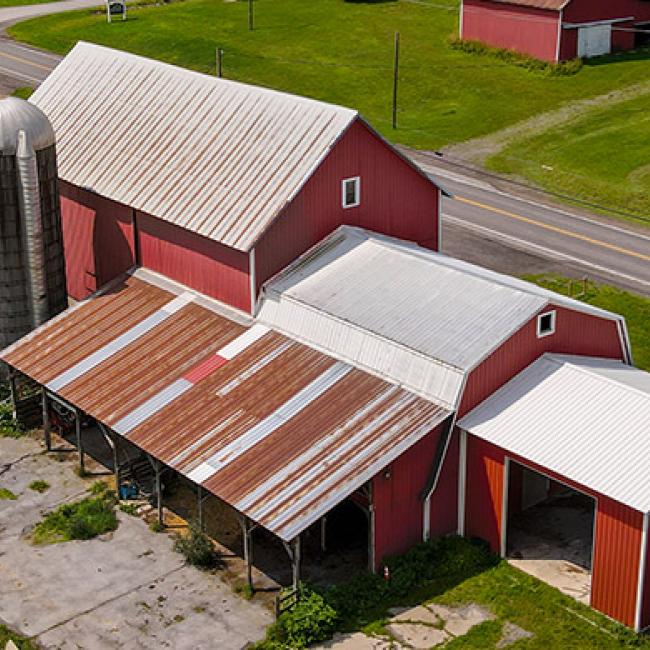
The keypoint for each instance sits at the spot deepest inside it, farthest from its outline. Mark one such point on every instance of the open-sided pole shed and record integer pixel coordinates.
(279, 431)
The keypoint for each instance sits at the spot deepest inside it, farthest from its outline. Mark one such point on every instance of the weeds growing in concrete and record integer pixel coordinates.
(7, 495)
(39, 486)
(197, 547)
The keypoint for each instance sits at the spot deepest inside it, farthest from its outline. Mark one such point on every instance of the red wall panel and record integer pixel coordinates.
(98, 239)
(576, 333)
(398, 500)
(484, 492)
(616, 560)
(525, 29)
(617, 536)
(444, 501)
(395, 200)
(199, 263)
(585, 11)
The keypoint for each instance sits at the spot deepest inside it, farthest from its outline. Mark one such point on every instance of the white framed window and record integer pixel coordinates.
(351, 192)
(546, 324)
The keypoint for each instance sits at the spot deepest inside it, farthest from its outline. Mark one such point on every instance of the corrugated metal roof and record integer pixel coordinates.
(214, 156)
(584, 418)
(412, 315)
(278, 430)
(552, 5)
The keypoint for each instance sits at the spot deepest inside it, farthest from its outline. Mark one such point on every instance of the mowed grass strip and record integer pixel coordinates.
(601, 156)
(342, 52)
(635, 308)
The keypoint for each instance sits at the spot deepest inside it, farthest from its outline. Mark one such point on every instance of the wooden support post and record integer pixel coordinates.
(371, 529)
(248, 549)
(159, 503)
(46, 420)
(323, 533)
(296, 563)
(77, 430)
(219, 62)
(199, 507)
(13, 391)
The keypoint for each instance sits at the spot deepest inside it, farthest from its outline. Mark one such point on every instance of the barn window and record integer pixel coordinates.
(351, 192)
(546, 324)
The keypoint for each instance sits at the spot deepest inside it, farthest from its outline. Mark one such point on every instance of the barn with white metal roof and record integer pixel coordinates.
(247, 330)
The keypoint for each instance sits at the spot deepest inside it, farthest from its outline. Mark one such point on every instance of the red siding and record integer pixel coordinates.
(616, 560)
(585, 11)
(395, 200)
(525, 29)
(576, 333)
(398, 500)
(444, 501)
(98, 239)
(618, 528)
(484, 492)
(199, 263)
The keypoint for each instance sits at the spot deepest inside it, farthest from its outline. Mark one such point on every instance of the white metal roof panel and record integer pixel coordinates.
(214, 156)
(584, 418)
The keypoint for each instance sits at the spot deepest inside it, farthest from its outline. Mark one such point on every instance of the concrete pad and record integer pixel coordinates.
(356, 641)
(126, 589)
(419, 614)
(512, 633)
(462, 619)
(418, 636)
(569, 578)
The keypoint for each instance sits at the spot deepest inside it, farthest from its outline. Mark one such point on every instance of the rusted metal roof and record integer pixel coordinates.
(278, 430)
(214, 156)
(551, 5)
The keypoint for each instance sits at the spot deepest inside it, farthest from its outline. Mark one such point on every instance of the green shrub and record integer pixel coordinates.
(563, 69)
(9, 428)
(311, 620)
(156, 526)
(84, 519)
(39, 486)
(197, 547)
(98, 488)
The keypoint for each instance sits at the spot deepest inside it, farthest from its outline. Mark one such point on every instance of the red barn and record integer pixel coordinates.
(210, 182)
(555, 30)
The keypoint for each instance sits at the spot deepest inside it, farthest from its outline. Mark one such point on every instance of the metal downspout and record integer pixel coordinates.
(32, 229)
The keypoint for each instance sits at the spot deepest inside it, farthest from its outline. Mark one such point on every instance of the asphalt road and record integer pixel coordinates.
(482, 223)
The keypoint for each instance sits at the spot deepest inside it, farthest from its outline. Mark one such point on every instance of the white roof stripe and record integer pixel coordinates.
(122, 341)
(177, 128)
(268, 425)
(584, 418)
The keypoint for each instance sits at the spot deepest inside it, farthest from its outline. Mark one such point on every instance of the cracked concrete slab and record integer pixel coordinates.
(124, 589)
(512, 633)
(355, 641)
(419, 614)
(417, 635)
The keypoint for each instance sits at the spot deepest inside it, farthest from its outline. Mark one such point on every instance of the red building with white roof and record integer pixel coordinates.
(278, 354)
(556, 30)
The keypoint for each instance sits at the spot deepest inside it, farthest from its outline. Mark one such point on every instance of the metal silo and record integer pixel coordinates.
(32, 268)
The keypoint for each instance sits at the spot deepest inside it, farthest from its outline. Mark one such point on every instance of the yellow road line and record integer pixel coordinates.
(561, 231)
(26, 61)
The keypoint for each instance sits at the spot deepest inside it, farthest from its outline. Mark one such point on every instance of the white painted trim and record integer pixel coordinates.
(560, 25)
(643, 556)
(462, 481)
(357, 192)
(553, 314)
(624, 337)
(595, 23)
(253, 279)
(504, 507)
(462, 10)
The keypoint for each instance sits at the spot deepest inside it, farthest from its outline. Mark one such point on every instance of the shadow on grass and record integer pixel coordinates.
(639, 54)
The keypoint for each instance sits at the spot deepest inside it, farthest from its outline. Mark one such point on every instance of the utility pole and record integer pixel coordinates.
(219, 62)
(250, 15)
(395, 78)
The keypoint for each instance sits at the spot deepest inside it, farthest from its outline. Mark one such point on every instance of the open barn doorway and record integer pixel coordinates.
(550, 531)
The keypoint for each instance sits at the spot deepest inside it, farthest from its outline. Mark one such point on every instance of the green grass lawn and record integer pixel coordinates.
(342, 52)
(635, 308)
(602, 156)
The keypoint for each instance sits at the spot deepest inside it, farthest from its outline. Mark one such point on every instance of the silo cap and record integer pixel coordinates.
(19, 115)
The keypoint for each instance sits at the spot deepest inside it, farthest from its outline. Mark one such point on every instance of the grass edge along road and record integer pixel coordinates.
(446, 96)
